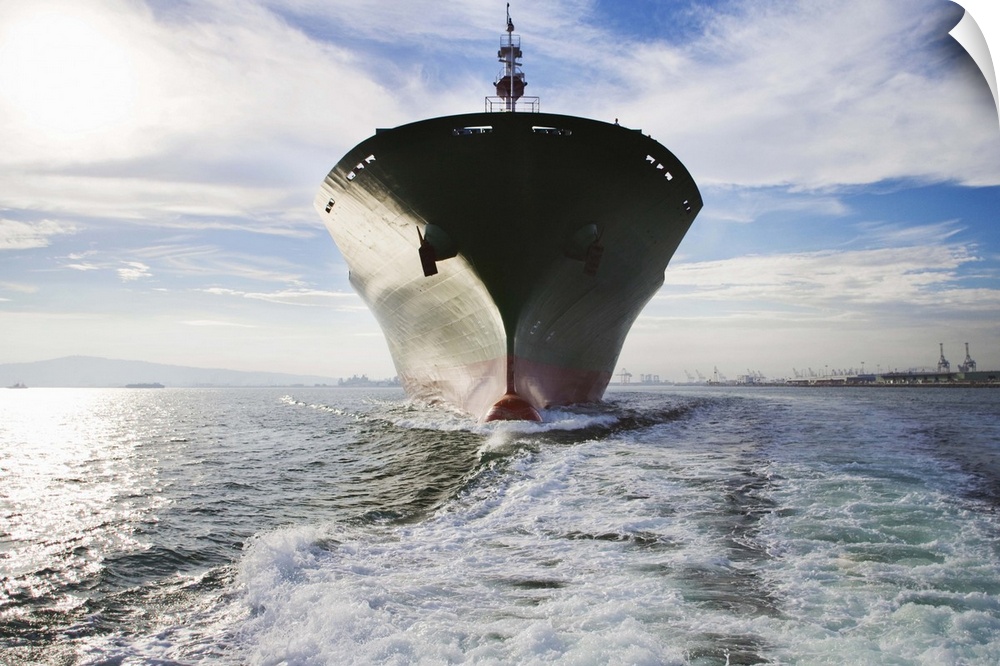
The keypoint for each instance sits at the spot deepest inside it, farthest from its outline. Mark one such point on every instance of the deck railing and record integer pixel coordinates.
(522, 104)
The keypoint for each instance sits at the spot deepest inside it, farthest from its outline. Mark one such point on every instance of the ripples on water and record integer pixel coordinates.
(328, 526)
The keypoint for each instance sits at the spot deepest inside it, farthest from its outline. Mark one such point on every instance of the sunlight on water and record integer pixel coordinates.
(72, 493)
(65, 466)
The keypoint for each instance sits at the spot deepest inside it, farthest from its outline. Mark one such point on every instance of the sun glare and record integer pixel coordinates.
(64, 73)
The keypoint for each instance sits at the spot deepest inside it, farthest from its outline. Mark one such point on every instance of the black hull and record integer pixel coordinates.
(533, 301)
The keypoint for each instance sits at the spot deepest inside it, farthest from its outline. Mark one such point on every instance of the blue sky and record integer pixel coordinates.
(160, 160)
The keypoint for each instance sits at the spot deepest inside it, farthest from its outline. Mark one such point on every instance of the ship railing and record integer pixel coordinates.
(510, 40)
(503, 105)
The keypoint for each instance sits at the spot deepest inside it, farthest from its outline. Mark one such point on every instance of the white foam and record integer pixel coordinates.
(789, 530)
(877, 560)
(552, 420)
(546, 563)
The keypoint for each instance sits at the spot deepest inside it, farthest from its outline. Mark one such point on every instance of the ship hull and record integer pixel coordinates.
(550, 234)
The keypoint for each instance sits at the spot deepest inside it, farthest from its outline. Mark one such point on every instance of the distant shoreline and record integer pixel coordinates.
(819, 384)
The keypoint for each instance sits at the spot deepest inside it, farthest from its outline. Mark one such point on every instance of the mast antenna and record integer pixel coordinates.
(510, 82)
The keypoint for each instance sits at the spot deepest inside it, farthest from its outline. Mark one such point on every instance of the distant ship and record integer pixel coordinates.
(507, 253)
(145, 385)
(18, 385)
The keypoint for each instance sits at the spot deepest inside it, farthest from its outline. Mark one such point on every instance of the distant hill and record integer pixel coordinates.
(89, 371)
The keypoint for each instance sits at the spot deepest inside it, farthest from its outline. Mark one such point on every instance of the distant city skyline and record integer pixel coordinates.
(160, 162)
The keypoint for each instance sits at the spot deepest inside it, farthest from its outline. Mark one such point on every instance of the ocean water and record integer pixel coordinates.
(332, 526)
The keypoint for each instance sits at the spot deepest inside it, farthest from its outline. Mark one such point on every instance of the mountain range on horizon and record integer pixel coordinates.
(96, 372)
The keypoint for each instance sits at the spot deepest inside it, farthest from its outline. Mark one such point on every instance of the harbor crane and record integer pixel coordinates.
(969, 365)
(943, 364)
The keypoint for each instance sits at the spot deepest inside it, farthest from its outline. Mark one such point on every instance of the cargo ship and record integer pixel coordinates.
(506, 253)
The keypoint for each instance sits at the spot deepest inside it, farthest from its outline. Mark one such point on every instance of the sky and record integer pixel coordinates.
(159, 159)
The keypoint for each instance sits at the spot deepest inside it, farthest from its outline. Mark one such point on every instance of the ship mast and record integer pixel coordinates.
(510, 82)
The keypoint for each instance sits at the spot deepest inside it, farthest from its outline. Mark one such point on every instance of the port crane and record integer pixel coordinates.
(968, 365)
(943, 364)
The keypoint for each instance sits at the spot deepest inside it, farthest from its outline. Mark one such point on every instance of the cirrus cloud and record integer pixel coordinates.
(17, 235)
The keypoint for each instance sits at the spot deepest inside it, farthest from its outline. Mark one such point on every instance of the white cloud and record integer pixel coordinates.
(164, 201)
(921, 278)
(899, 235)
(16, 235)
(730, 203)
(241, 112)
(809, 96)
(222, 291)
(216, 323)
(815, 95)
(238, 115)
(300, 297)
(211, 80)
(303, 297)
(83, 267)
(133, 270)
(178, 259)
(19, 288)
